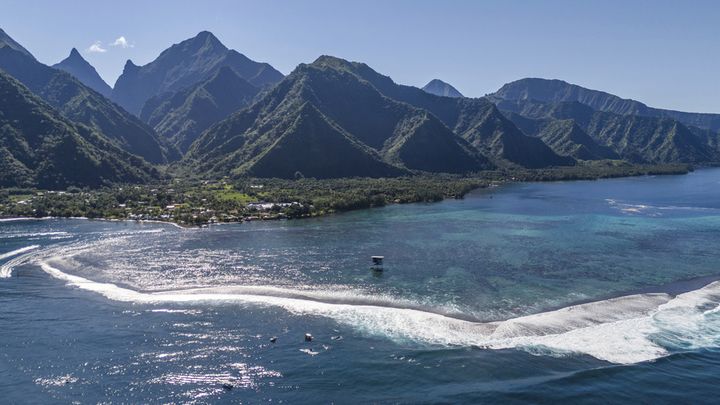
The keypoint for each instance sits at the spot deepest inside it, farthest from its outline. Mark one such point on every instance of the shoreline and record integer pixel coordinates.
(411, 191)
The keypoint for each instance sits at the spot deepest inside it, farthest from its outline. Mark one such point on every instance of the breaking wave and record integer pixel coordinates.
(655, 210)
(18, 251)
(627, 329)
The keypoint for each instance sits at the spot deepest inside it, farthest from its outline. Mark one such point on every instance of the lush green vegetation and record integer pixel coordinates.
(332, 136)
(545, 90)
(181, 117)
(476, 120)
(41, 148)
(246, 199)
(196, 203)
(635, 138)
(345, 127)
(81, 105)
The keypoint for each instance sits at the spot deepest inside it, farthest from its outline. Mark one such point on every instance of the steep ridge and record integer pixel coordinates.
(182, 116)
(397, 132)
(422, 142)
(545, 90)
(323, 145)
(82, 70)
(635, 138)
(7, 42)
(182, 65)
(565, 137)
(39, 147)
(81, 104)
(476, 120)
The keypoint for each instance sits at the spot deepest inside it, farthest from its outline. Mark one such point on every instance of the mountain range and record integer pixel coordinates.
(633, 137)
(39, 147)
(387, 136)
(545, 90)
(182, 116)
(79, 103)
(205, 109)
(183, 65)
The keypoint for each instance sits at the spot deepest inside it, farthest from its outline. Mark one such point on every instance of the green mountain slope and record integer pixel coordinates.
(544, 90)
(476, 120)
(565, 137)
(422, 142)
(635, 138)
(39, 147)
(403, 136)
(81, 104)
(181, 117)
(182, 65)
(326, 151)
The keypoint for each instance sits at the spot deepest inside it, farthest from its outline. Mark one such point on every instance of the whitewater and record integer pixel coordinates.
(625, 329)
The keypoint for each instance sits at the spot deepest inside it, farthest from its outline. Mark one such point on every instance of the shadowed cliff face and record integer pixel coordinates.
(335, 113)
(40, 148)
(182, 116)
(80, 104)
(185, 64)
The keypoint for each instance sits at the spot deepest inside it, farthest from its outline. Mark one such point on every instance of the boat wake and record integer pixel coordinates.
(627, 329)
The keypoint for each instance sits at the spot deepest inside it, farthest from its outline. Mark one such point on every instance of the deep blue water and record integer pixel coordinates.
(572, 291)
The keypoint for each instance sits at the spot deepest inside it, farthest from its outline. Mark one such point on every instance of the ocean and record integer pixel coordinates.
(585, 291)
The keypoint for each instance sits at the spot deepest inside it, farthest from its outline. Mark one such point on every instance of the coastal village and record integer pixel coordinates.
(206, 202)
(212, 202)
(219, 201)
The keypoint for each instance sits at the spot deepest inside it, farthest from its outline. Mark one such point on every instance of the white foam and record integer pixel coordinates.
(18, 251)
(653, 210)
(33, 234)
(626, 329)
(23, 254)
(619, 330)
(22, 219)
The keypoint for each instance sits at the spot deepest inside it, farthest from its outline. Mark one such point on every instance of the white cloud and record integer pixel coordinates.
(96, 47)
(122, 42)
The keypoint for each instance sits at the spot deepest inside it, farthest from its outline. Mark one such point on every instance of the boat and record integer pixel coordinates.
(377, 263)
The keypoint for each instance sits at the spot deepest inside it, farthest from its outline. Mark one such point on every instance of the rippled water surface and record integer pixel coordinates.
(582, 291)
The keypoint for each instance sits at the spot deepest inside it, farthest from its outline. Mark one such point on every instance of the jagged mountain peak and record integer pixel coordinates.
(202, 44)
(82, 70)
(441, 88)
(130, 66)
(185, 64)
(75, 57)
(207, 36)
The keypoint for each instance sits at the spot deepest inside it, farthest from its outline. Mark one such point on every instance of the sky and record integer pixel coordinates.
(663, 53)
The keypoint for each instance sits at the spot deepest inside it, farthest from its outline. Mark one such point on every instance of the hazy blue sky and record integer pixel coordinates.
(666, 54)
